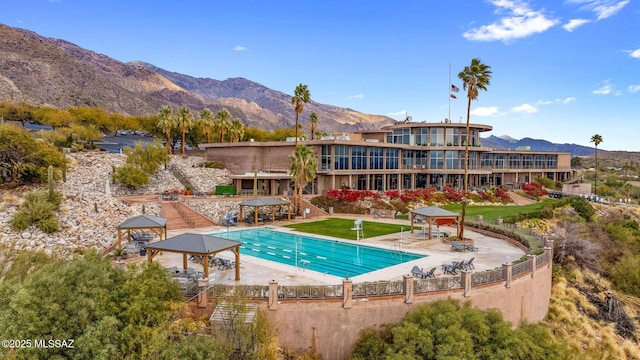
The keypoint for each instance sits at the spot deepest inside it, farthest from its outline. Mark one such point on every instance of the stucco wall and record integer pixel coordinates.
(335, 329)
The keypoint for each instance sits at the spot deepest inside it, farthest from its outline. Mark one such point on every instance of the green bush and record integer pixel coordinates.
(131, 176)
(37, 210)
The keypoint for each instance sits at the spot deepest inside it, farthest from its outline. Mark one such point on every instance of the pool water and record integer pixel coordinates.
(331, 257)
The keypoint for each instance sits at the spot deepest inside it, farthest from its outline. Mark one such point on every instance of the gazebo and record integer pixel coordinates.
(434, 214)
(261, 202)
(198, 245)
(156, 224)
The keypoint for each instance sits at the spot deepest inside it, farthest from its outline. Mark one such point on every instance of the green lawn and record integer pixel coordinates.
(341, 228)
(493, 212)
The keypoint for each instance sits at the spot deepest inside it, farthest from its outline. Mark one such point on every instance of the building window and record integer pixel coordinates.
(399, 136)
(422, 136)
(514, 161)
(392, 182)
(501, 161)
(358, 157)
(408, 159)
(421, 181)
(342, 157)
(473, 160)
(453, 160)
(539, 162)
(376, 158)
(527, 161)
(375, 182)
(437, 159)
(552, 161)
(406, 181)
(486, 161)
(392, 159)
(326, 158)
(422, 159)
(437, 137)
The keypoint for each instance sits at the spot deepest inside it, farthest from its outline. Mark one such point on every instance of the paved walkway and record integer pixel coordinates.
(492, 253)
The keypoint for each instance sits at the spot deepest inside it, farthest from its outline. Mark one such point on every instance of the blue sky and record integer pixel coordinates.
(562, 70)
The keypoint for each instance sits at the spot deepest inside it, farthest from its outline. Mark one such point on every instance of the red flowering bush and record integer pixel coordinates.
(503, 194)
(534, 189)
(348, 195)
(392, 194)
(452, 194)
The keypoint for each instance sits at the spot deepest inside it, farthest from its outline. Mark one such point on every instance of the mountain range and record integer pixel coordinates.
(44, 71)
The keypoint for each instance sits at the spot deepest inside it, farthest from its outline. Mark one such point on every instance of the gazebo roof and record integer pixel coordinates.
(434, 211)
(265, 202)
(194, 244)
(143, 221)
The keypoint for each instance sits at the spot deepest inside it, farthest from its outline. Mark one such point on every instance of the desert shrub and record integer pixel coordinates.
(546, 182)
(211, 165)
(450, 330)
(37, 210)
(582, 207)
(625, 274)
(325, 202)
(349, 195)
(131, 176)
(399, 205)
(147, 157)
(502, 194)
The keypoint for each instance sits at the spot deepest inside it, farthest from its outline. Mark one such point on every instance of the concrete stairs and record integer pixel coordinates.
(180, 216)
(520, 200)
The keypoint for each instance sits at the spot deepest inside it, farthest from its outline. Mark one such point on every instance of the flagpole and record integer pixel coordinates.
(449, 86)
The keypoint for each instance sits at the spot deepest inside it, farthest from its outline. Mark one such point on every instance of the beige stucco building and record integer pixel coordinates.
(406, 155)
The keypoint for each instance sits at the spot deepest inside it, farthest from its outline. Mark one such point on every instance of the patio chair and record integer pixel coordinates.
(459, 265)
(456, 246)
(417, 272)
(449, 269)
(430, 273)
(471, 247)
(469, 264)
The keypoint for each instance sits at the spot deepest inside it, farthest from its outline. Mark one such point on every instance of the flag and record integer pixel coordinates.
(453, 96)
(454, 88)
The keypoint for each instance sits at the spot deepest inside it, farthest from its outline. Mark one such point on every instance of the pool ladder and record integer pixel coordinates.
(302, 264)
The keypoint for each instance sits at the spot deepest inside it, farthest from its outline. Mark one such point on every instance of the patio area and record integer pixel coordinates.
(492, 253)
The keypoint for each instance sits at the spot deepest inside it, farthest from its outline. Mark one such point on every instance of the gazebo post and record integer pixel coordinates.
(236, 251)
(206, 266)
(184, 261)
(411, 216)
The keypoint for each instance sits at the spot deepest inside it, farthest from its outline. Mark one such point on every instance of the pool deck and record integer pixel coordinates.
(491, 253)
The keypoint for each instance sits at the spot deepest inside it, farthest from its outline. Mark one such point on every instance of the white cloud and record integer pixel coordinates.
(574, 24)
(602, 8)
(525, 108)
(556, 101)
(565, 100)
(521, 21)
(604, 90)
(357, 96)
(401, 112)
(634, 88)
(239, 48)
(485, 111)
(634, 53)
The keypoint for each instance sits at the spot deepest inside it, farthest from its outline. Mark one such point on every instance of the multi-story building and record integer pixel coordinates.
(406, 155)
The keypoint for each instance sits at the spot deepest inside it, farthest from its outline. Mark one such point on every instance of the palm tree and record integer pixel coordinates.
(596, 140)
(222, 122)
(313, 124)
(185, 122)
(301, 96)
(236, 130)
(206, 120)
(475, 77)
(166, 122)
(303, 168)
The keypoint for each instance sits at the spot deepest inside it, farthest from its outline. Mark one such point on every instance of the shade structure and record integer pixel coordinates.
(200, 246)
(268, 202)
(434, 215)
(156, 224)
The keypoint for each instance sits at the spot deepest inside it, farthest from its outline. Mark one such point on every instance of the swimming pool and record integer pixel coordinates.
(331, 257)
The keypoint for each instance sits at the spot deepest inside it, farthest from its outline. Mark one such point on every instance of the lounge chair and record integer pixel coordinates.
(430, 274)
(226, 264)
(470, 247)
(449, 269)
(456, 246)
(417, 272)
(459, 265)
(469, 264)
